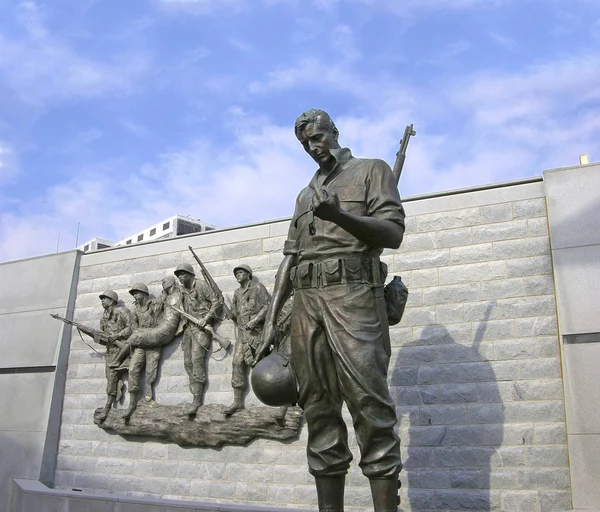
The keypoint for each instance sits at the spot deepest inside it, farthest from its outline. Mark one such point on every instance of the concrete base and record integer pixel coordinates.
(30, 495)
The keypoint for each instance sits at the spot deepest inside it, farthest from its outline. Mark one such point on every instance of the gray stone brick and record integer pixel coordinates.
(417, 457)
(505, 370)
(553, 433)
(543, 305)
(496, 213)
(280, 493)
(425, 278)
(440, 221)
(449, 313)
(521, 248)
(546, 389)
(453, 237)
(358, 496)
(441, 334)
(539, 285)
(495, 330)
(253, 473)
(415, 298)
(508, 434)
(304, 494)
(467, 500)
(467, 456)
(108, 465)
(542, 479)
(424, 436)
(554, 501)
(464, 353)
(404, 376)
(400, 336)
(274, 244)
(548, 347)
(508, 456)
(470, 478)
(415, 499)
(127, 450)
(433, 479)
(529, 266)
(519, 501)
(537, 227)
(502, 288)
(442, 415)
(416, 355)
(419, 242)
(547, 456)
(250, 491)
(91, 272)
(484, 413)
(76, 463)
(458, 393)
(472, 272)
(529, 208)
(548, 368)
(415, 395)
(421, 260)
(536, 326)
(515, 349)
(471, 254)
(451, 294)
(75, 447)
(418, 316)
(536, 412)
(293, 475)
(500, 231)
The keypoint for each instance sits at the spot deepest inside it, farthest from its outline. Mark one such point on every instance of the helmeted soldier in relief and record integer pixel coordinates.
(199, 301)
(116, 324)
(248, 310)
(343, 220)
(146, 314)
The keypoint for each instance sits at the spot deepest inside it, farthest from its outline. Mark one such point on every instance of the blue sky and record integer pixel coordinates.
(117, 114)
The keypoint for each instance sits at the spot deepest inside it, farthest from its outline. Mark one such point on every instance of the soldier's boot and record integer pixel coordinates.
(238, 402)
(330, 493)
(192, 408)
(149, 397)
(281, 412)
(385, 493)
(104, 412)
(133, 400)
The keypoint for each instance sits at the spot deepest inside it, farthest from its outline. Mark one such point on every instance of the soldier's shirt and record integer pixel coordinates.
(116, 320)
(198, 300)
(148, 315)
(250, 302)
(365, 187)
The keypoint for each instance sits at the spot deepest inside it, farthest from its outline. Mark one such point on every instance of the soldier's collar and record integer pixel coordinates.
(342, 155)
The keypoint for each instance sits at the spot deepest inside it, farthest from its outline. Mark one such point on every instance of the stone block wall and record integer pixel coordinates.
(475, 369)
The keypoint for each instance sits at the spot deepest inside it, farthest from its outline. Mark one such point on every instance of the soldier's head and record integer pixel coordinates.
(109, 298)
(168, 283)
(243, 273)
(140, 293)
(318, 135)
(185, 274)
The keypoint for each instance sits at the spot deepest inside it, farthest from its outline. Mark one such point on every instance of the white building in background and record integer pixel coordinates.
(173, 226)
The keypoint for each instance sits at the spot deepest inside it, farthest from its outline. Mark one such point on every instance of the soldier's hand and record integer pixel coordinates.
(268, 338)
(326, 204)
(250, 325)
(202, 323)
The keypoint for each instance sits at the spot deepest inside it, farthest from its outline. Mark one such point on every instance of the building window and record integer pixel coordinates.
(128, 242)
(103, 246)
(140, 238)
(86, 248)
(208, 228)
(166, 226)
(153, 232)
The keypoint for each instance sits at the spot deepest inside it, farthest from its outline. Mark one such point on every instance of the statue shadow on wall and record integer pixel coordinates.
(448, 397)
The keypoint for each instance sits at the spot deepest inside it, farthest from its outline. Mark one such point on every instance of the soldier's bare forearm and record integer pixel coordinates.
(282, 288)
(370, 230)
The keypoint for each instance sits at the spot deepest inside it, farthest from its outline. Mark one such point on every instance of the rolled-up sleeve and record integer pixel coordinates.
(383, 198)
(290, 246)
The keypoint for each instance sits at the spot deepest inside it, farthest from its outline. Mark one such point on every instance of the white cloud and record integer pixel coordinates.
(39, 67)
(202, 7)
(8, 163)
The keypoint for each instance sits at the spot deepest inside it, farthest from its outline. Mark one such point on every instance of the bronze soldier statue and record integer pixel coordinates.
(116, 326)
(146, 314)
(248, 310)
(343, 220)
(199, 301)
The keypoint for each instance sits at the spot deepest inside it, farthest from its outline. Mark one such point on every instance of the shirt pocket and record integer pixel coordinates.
(352, 199)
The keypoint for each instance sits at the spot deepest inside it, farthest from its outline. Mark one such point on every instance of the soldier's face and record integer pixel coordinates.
(242, 276)
(317, 141)
(106, 302)
(185, 279)
(139, 296)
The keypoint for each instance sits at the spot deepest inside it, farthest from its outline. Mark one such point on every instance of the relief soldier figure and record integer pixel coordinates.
(115, 328)
(248, 310)
(199, 301)
(343, 220)
(146, 314)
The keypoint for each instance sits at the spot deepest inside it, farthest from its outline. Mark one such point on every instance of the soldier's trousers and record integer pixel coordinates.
(112, 376)
(195, 345)
(338, 355)
(245, 344)
(141, 359)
